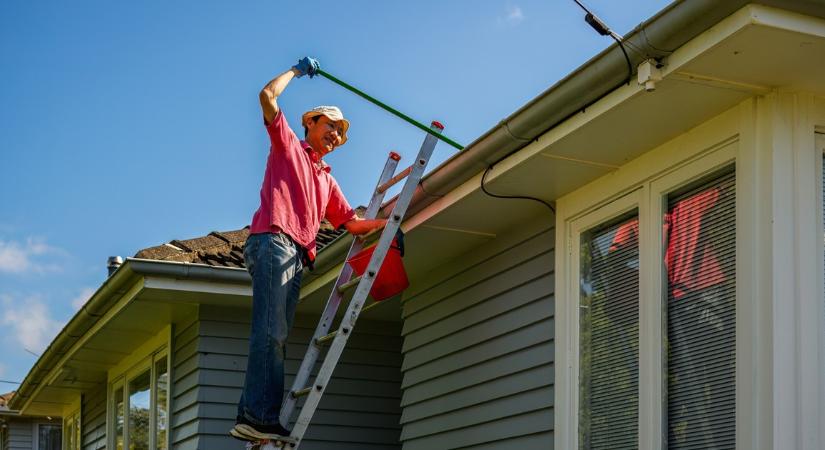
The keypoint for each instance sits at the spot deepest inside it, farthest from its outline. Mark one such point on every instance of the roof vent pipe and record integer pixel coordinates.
(113, 263)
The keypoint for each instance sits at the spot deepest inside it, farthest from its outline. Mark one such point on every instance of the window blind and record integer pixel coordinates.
(699, 260)
(609, 336)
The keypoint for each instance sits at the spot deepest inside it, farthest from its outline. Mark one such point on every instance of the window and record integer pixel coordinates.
(139, 411)
(119, 417)
(699, 260)
(71, 431)
(140, 405)
(609, 336)
(646, 331)
(161, 404)
(48, 436)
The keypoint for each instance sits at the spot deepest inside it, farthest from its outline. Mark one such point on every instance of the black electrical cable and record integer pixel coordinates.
(649, 44)
(627, 58)
(517, 197)
(604, 30)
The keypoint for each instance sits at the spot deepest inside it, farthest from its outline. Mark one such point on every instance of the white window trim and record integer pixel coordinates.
(711, 151)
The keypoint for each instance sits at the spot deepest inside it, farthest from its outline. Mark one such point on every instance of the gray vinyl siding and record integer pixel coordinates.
(93, 417)
(184, 395)
(20, 434)
(360, 409)
(478, 348)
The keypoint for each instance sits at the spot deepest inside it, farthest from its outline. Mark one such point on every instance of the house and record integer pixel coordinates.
(26, 432)
(667, 290)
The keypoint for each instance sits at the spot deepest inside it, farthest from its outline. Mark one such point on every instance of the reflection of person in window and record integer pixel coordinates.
(697, 290)
(699, 326)
(614, 335)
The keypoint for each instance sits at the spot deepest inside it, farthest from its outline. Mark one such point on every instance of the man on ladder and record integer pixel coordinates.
(297, 192)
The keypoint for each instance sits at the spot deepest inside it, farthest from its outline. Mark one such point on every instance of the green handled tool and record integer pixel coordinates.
(390, 109)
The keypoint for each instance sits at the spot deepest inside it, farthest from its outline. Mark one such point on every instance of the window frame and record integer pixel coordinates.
(144, 358)
(579, 226)
(36, 433)
(596, 203)
(72, 417)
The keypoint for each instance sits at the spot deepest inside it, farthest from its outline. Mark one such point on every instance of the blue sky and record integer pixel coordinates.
(124, 125)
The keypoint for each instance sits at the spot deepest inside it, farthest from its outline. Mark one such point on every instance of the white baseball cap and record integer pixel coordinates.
(333, 113)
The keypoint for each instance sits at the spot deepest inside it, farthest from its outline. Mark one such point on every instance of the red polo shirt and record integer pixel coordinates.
(298, 190)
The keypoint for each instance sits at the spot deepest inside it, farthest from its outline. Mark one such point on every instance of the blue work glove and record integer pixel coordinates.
(307, 66)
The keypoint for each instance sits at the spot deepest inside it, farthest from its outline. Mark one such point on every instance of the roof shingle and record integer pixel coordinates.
(223, 248)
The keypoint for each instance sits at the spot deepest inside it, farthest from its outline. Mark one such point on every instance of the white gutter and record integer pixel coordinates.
(671, 28)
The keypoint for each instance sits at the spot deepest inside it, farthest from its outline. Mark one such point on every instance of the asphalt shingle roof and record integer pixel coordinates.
(223, 248)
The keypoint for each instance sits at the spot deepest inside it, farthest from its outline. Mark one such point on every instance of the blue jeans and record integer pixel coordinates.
(274, 262)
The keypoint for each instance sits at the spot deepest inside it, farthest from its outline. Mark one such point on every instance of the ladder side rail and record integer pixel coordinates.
(334, 300)
(361, 292)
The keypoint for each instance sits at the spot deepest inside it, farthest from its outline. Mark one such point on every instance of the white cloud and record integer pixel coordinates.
(30, 323)
(513, 14)
(81, 298)
(16, 257)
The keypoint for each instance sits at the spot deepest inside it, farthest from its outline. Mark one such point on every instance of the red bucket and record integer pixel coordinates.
(391, 279)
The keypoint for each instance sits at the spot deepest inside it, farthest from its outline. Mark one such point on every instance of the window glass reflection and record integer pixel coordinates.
(119, 419)
(161, 409)
(139, 412)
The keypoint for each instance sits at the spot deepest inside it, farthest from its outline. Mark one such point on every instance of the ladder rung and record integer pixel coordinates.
(326, 338)
(343, 288)
(398, 177)
(302, 392)
(330, 336)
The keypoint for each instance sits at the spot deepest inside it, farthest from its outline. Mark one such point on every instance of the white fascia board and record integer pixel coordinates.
(201, 286)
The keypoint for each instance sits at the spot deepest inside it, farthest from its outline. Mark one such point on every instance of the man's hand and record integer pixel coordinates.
(363, 226)
(307, 66)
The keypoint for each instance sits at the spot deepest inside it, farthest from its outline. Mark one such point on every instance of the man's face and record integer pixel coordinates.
(324, 134)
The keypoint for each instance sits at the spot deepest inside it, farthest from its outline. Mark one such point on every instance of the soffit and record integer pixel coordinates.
(757, 51)
(85, 367)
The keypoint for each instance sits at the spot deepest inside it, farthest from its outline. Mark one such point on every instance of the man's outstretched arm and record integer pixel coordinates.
(273, 89)
(364, 226)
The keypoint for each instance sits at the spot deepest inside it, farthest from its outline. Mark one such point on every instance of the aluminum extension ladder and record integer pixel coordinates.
(315, 390)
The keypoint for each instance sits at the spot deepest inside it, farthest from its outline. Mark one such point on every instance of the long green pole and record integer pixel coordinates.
(390, 109)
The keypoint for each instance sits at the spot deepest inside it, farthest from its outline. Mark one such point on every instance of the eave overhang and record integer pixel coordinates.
(748, 52)
(136, 303)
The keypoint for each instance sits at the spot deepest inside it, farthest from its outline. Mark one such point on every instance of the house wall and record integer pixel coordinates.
(479, 347)
(19, 435)
(20, 432)
(93, 419)
(360, 409)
